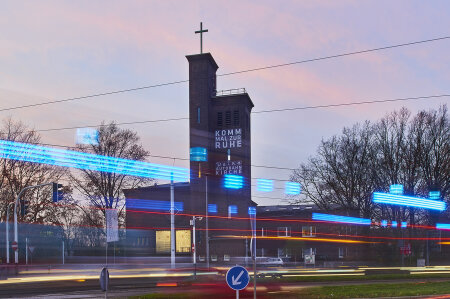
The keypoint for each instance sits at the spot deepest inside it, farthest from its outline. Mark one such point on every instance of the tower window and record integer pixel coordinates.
(236, 117)
(228, 118)
(198, 115)
(219, 119)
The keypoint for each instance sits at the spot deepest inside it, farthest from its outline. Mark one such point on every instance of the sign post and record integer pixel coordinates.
(112, 229)
(237, 278)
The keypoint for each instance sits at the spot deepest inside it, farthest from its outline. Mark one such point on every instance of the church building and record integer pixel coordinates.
(219, 186)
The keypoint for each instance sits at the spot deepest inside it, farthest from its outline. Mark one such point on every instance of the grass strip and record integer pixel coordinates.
(373, 290)
(325, 278)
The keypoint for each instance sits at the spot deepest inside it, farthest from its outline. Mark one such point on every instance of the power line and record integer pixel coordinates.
(353, 103)
(262, 111)
(336, 56)
(230, 73)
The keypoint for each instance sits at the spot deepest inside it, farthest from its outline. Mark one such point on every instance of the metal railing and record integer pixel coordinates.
(228, 92)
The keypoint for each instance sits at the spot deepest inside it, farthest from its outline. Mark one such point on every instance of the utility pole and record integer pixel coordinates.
(207, 222)
(194, 245)
(172, 225)
(7, 232)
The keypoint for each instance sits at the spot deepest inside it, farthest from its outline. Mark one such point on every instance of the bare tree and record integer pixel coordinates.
(15, 175)
(103, 190)
(339, 174)
(398, 149)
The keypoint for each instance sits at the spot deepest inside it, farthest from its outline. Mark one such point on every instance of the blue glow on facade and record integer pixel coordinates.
(232, 181)
(409, 201)
(340, 219)
(404, 224)
(199, 154)
(232, 210)
(252, 211)
(442, 226)
(66, 158)
(264, 185)
(87, 136)
(384, 223)
(152, 205)
(434, 195)
(394, 224)
(292, 188)
(396, 189)
(212, 208)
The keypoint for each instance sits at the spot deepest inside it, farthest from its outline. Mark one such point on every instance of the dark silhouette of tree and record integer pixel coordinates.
(16, 175)
(103, 190)
(398, 149)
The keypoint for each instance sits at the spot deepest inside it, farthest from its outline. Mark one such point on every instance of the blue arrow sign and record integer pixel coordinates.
(237, 278)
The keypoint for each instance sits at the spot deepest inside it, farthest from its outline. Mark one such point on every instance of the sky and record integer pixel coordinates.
(52, 50)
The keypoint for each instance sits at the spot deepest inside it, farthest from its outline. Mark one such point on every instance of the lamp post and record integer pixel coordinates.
(194, 244)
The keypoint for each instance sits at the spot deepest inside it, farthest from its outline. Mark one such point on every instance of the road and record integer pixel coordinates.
(81, 281)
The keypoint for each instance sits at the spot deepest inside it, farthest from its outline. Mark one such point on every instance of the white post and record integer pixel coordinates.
(16, 234)
(172, 225)
(193, 241)
(207, 222)
(253, 226)
(7, 234)
(26, 251)
(106, 255)
(63, 252)
(237, 294)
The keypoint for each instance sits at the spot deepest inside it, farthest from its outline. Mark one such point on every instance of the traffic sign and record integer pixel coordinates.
(14, 245)
(237, 278)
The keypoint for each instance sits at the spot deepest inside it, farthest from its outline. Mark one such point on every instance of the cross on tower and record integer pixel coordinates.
(201, 36)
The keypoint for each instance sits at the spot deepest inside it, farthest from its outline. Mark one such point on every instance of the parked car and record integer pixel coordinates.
(269, 261)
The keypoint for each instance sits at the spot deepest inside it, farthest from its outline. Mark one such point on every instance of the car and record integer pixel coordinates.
(269, 261)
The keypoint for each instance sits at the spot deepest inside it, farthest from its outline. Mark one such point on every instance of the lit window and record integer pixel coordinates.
(308, 231)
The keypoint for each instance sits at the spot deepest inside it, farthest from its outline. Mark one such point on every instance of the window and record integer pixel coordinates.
(214, 258)
(284, 232)
(226, 257)
(308, 231)
(198, 115)
(263, 232)
(236, 117)
(228, 118)
(232, 210)
(341, 252)
(219, 119)
(162, 241)
(308, 251)
(284, 252)
(183, 240)
(229, 154)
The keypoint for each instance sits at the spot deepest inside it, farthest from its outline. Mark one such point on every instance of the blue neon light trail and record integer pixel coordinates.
(410, 201)
(292, 188)
(66, 158)
(340, 219)
(264, 185)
